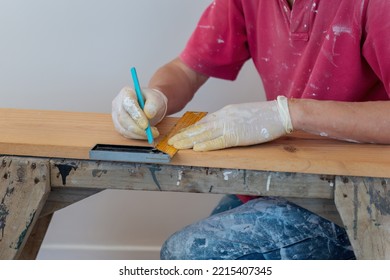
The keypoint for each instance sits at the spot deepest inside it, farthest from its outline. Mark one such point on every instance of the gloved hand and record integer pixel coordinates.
(129, 119)
(237, 125)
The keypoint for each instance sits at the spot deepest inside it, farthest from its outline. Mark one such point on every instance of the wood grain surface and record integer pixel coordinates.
(71, 135)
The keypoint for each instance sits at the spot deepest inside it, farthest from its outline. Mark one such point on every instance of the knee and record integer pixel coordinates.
(187, 244)
(181, 246)
(167, 251)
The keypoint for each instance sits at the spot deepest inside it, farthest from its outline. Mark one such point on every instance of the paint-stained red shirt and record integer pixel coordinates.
(319, 49)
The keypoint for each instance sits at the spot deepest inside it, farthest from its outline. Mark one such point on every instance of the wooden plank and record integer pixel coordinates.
(62, 197)
(24, 187)
(35, 239)
(58, 198)
(364, 206)
(54, 133)
(153, 177)
(72, 134)
(325, 208)
(302, 189)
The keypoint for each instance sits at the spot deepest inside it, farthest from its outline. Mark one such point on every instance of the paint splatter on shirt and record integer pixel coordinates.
(319, 49)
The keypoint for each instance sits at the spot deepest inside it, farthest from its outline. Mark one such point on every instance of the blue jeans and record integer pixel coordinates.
(261, 229)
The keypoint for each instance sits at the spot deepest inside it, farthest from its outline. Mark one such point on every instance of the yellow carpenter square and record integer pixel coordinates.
(186, 120)
(162, 153)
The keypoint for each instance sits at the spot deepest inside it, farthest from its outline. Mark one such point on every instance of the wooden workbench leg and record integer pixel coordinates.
(364, 207)
(24, 187)
(35, 239)
(57, 199)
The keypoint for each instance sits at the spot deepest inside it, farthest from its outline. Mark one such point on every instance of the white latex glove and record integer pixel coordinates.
(129, 119)
(237, 125)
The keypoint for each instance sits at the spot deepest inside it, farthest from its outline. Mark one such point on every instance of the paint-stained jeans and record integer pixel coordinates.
(263, 228)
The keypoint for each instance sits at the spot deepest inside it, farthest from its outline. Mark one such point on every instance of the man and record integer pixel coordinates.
(325, 67)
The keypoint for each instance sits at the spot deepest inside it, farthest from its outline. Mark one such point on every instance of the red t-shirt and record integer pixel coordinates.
(319, 49)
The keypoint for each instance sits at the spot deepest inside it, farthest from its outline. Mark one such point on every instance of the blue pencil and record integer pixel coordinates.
(141, 102)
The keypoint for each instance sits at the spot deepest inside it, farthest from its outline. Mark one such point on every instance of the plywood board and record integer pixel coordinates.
(72, 134)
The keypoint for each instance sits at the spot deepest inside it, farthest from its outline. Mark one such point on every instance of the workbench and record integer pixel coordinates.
(45, 166)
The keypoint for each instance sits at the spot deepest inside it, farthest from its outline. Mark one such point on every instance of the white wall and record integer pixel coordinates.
(75, 55)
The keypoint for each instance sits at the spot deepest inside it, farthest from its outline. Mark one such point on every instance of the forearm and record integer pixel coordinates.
(178, 82)
(367, 122)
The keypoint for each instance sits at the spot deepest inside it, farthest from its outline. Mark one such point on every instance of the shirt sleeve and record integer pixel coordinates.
(377, 38)
(218, 46)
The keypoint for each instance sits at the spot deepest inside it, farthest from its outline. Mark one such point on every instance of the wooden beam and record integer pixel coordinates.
(57, 134)
(24, 186)
(154, 177)
(364, 207)
(35, 239)
(323, 207)
(62, 197)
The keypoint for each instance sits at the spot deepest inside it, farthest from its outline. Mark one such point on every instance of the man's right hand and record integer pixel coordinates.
(130, 120)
